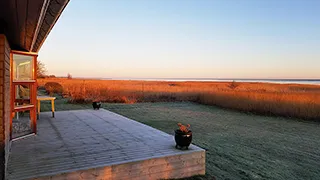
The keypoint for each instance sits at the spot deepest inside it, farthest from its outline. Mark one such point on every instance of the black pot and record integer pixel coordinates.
(183, 140)
(96, 105)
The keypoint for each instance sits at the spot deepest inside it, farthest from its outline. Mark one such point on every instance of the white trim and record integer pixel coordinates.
(22, 137)
(52, 24)
(40, 20)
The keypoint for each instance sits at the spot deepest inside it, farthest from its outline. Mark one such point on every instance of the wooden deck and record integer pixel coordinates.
(88, 144)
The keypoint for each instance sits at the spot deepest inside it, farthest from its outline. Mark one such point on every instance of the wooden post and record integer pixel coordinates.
(12, 94)
(34, 98)
(34, 110)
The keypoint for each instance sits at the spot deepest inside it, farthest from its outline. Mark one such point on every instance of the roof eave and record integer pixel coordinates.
(52, 12)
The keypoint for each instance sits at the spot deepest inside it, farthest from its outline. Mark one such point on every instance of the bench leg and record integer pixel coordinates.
(38, 114)
(52, 107)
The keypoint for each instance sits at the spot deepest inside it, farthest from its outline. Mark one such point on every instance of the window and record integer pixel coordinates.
(23, 67)
(24, 93)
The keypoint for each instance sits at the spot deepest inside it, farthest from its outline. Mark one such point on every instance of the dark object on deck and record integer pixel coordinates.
(183, 140)
(96, 105)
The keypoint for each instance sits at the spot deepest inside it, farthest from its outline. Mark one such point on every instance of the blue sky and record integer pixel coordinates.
(186, 39)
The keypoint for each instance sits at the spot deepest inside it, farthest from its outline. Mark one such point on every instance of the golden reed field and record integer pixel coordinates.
(289, 100)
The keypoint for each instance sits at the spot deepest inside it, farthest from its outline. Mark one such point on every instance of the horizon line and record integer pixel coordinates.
(138, 78)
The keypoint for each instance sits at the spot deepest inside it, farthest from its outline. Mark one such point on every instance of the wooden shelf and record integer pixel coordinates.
(23, 81)
(23, 107)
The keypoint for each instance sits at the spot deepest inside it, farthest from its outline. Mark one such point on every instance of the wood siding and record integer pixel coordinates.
(4, 103)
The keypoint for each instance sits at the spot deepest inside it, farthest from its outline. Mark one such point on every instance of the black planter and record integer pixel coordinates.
(183, 140)
(96, 105)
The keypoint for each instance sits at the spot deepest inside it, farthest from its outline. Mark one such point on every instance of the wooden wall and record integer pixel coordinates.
(4, 103)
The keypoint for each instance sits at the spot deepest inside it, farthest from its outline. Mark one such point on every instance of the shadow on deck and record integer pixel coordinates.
(88, 144)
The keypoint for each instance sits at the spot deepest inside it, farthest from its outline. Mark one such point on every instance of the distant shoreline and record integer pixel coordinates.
(278, 81)
(214, 79)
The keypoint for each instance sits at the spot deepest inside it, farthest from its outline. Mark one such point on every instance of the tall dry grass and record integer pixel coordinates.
(299, 105)
(290, 100)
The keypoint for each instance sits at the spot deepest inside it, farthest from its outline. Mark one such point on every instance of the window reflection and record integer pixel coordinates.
(22, 67)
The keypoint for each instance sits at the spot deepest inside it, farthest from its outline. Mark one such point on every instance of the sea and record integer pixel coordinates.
(280, 81)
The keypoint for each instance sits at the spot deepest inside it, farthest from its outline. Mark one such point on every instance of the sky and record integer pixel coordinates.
(185, 39)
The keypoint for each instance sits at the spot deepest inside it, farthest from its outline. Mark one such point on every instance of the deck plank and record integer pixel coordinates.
(100, 144)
